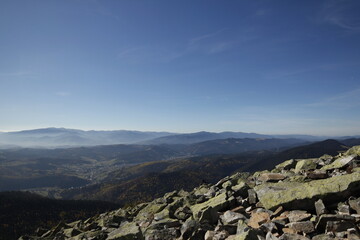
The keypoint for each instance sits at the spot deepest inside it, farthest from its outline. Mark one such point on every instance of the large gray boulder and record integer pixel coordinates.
(297, 195)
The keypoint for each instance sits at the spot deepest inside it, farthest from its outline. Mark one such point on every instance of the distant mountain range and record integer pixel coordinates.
(62, 137)
(189, 138)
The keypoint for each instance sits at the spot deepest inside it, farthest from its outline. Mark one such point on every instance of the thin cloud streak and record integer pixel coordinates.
(348, 99)
(205, 36)
(336, 13)
(282, 73)
(128, 51)
(165, 54)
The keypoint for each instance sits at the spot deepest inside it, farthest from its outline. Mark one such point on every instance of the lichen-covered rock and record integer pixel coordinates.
(218, 203)
(71, 232)
(311, 200)
(162, 234)
(249, 234)
(287, 165)
(353, 151)
(230, 217)
(305, 164)
(293, 195)
(188, 228)
(207, 214)
(339, 163)
(149, 211)
(165, 223)
(240, 189)
(165, 213)
(98, 234)
(127, 231)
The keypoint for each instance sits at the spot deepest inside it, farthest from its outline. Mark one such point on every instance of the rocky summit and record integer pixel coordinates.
(300, 199)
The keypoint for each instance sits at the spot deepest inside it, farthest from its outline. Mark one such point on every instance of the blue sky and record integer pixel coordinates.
(181, 66)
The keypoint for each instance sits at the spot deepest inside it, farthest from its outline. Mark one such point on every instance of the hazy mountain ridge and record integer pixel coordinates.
(21, 168)
(236, 145)
(63, 137)
(190, 138)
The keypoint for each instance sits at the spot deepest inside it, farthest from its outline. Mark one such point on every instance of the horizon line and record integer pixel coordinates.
(177, 132)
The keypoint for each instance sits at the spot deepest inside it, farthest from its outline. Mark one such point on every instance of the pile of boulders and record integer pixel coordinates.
(315, 198)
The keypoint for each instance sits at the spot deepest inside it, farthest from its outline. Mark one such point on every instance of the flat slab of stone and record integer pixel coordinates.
(270, 177)
(297, 216)
(295, 195)
(325, 218)
(320, 207)
(258, 218)
(305, 227)
(231, 217)
(339, 163)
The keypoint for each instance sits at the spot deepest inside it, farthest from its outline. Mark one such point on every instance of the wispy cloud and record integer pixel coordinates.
(206, 44)
(205, 36)
(203, 44)
(348, 99)
(220, 47)
(129, 51)
(141, 54)
(217, 42)
(285, 73)
(341, 14)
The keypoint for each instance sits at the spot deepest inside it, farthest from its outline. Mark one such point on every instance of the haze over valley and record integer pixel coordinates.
(157, 119)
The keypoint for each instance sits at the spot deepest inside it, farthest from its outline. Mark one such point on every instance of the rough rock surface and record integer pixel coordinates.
(298, 200)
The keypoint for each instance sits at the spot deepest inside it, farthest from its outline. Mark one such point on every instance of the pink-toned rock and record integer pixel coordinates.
(297, 216)
(277, 212)
(258, 218)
